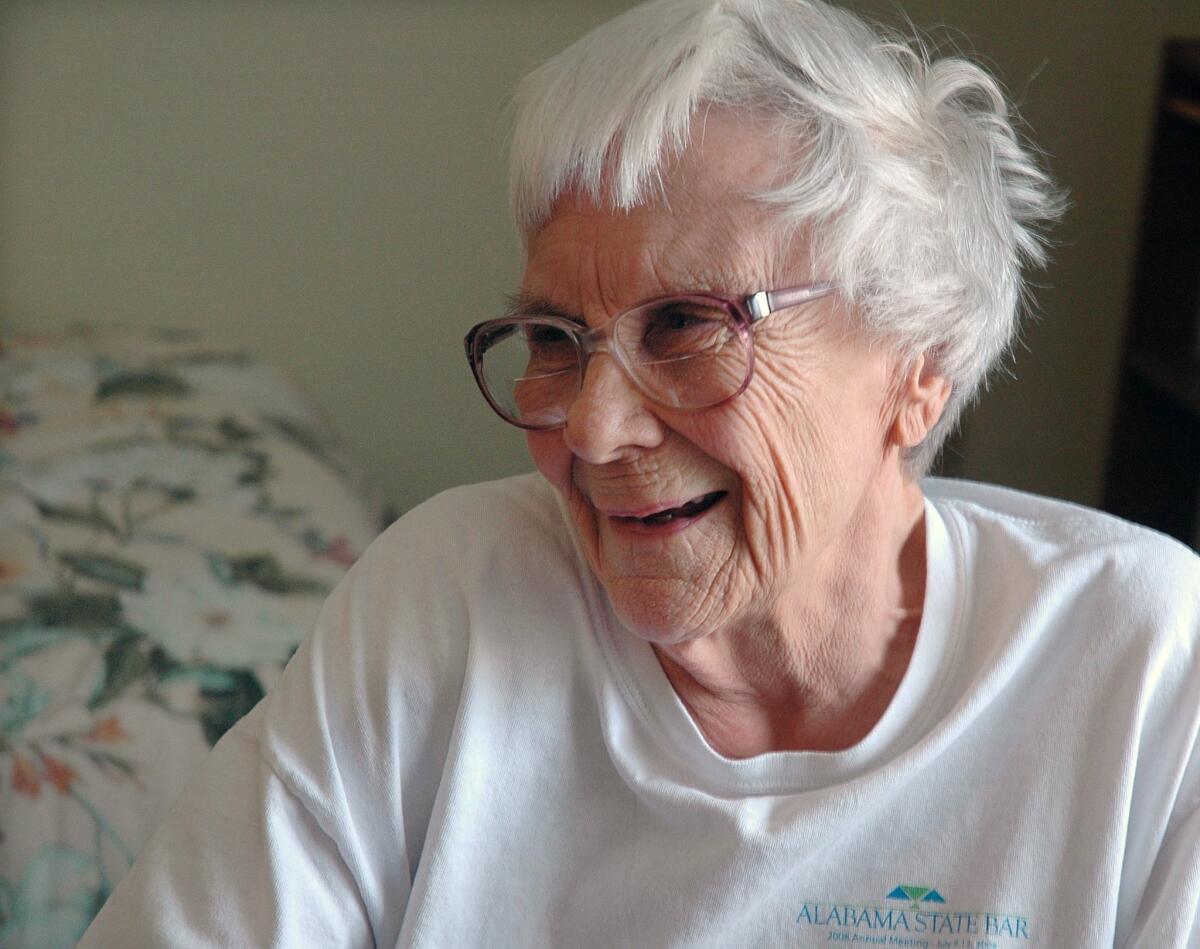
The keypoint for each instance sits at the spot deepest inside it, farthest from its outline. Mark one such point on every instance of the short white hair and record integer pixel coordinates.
(922, 202)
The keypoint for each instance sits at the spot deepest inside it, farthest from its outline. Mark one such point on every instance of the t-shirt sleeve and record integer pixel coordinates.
(1168, 909)
(1169, 913)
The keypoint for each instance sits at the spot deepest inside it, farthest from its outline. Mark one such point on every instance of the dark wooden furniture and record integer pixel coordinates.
(1154, 463)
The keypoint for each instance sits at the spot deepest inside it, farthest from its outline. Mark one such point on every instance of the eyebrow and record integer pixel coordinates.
(523, 303)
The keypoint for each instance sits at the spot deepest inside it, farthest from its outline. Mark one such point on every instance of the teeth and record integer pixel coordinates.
(685, 510)
(661, 517)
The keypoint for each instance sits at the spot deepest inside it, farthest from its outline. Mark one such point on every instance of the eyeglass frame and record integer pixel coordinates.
(746, 312)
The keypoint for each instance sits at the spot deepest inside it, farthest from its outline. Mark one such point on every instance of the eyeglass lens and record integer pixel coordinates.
(685, 353)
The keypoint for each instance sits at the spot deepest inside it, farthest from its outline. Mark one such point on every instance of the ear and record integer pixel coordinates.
(922, 398)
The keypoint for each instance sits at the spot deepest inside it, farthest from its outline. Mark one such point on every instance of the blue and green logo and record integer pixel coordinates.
(907, 916)
(916, 895)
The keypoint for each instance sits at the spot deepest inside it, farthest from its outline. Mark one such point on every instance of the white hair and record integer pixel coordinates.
(921, 199)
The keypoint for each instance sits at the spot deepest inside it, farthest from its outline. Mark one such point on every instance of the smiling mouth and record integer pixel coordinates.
(667, 515)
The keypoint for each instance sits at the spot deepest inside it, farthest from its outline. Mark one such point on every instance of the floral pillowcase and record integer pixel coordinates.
(172, 515)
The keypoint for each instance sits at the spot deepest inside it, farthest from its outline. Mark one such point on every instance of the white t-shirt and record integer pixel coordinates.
(470, 751)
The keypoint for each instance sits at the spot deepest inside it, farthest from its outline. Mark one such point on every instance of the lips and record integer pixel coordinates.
(687, 511)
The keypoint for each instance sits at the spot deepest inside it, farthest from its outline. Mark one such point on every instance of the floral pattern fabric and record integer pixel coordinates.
(172, 514)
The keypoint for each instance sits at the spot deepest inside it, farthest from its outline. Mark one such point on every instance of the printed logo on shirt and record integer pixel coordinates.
(918, 895)
(925, 921)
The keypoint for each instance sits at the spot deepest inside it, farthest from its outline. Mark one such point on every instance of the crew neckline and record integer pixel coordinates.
(647, 696)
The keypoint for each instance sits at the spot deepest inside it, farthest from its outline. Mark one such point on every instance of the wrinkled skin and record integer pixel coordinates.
(797, 596)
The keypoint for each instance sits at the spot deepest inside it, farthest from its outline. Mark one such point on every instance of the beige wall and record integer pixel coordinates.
(322, 181)
(325, 181)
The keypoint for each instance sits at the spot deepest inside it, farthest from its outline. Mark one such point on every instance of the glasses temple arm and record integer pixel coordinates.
(766, 302)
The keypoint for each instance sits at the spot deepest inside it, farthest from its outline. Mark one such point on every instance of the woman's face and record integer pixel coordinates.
(769, 481)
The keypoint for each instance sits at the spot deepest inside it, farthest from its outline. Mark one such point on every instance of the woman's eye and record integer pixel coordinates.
(677, 320)
(679, 332)
(546, 336)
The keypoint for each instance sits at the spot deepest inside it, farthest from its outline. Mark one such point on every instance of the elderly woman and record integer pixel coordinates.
(727, 672)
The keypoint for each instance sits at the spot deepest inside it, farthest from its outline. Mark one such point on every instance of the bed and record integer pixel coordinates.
(172, 514)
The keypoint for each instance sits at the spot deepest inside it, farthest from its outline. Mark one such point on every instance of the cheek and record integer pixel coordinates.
(802, 456)
(826, 405)
(784, 434)
(551, 457)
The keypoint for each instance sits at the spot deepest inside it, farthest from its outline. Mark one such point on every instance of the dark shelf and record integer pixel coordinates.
(1175, 376)
(1184, 109)
(1154, 464)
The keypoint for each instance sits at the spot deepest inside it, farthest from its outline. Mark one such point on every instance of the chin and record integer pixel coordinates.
(659, 620)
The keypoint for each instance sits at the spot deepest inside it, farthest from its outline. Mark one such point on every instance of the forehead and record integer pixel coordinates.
(702, 230)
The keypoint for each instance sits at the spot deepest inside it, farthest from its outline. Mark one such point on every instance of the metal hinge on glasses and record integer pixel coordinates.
(766, 302)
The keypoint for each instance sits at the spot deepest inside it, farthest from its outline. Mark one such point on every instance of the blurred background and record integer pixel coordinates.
(325, 183)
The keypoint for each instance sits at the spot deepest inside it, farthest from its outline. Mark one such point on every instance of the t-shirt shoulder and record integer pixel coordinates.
(476, 521)
(1141, 570)
(442, 598)
(1052, 520)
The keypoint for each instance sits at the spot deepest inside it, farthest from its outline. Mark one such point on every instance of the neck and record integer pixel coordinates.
(817, 668)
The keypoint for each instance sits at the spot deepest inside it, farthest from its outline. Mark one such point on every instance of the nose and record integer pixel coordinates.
(609, 419)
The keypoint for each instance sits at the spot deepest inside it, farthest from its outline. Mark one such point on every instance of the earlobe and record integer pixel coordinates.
(923, 399)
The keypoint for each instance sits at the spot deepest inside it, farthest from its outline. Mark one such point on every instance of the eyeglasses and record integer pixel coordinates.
(686, 352)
